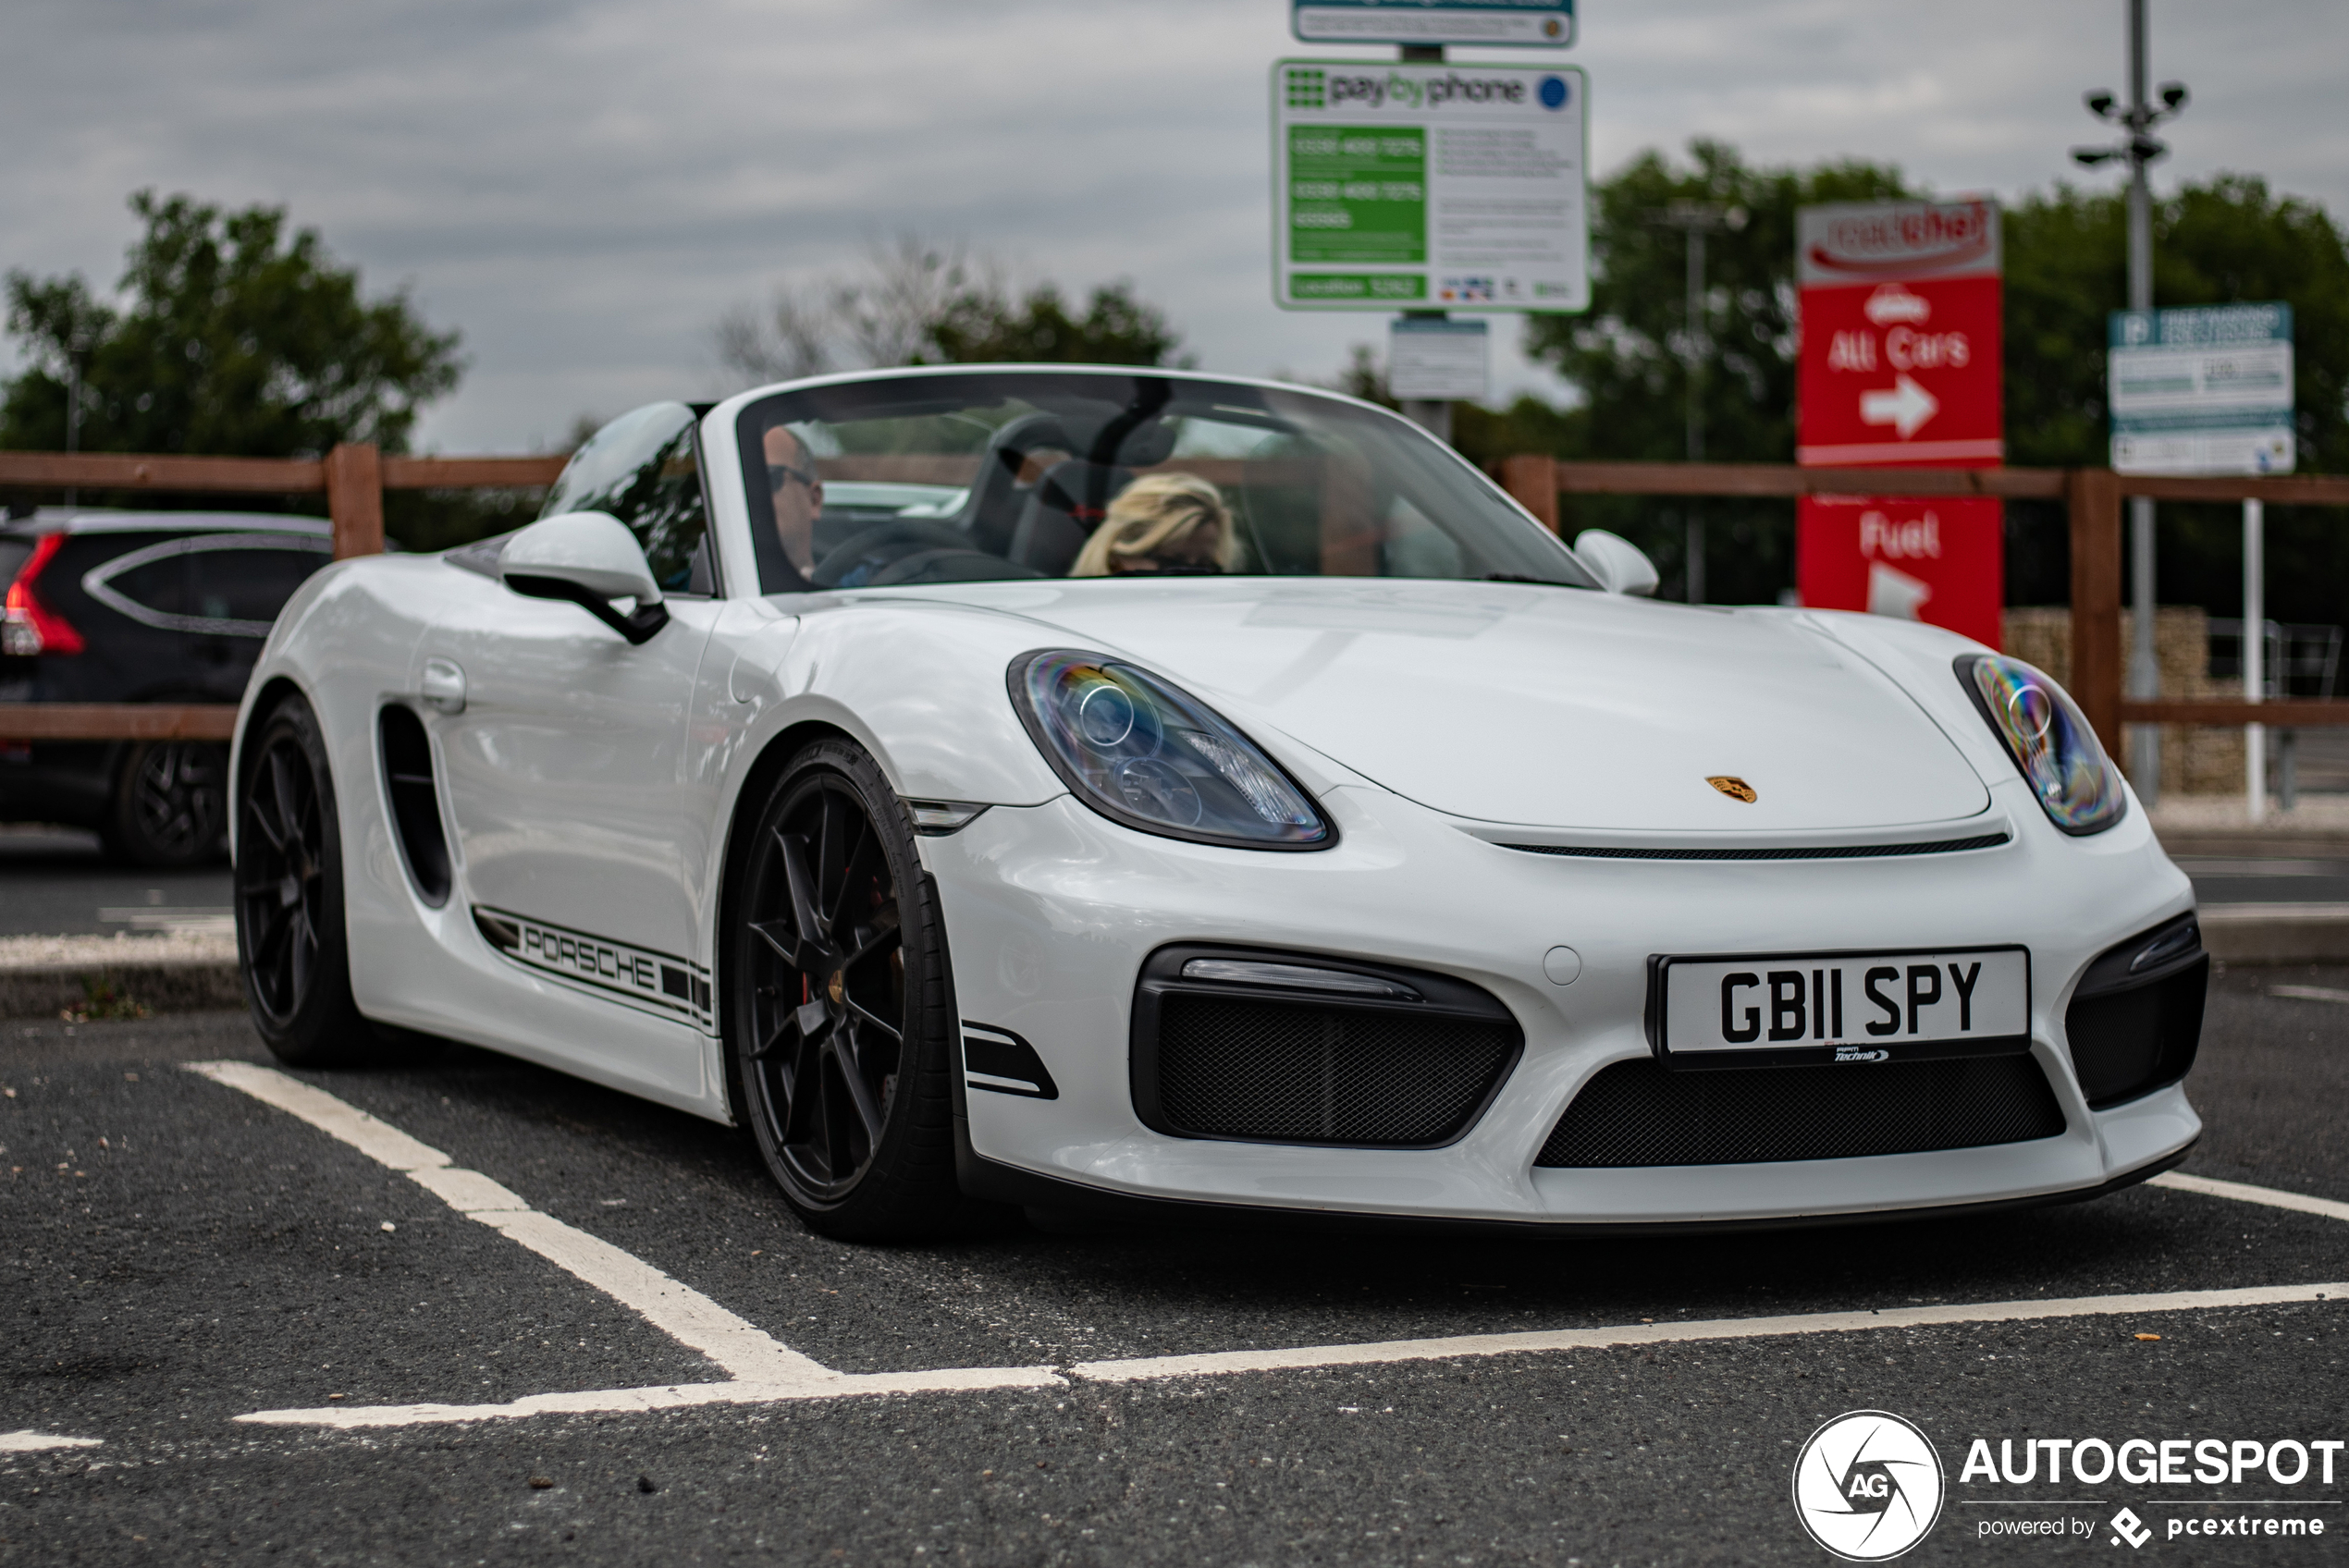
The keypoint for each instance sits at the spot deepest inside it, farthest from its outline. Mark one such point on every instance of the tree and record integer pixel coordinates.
(234, 337)
(1630, 355)
(2218, 241)
(2224, 241)
(983, 325)
(912, 302)
(2228, 239)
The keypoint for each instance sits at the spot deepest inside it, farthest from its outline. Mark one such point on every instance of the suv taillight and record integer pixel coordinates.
(30, 626)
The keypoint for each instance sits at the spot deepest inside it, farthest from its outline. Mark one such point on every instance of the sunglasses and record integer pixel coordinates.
(780, 475)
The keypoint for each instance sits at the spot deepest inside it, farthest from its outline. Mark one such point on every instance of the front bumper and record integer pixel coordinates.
(1051, 912)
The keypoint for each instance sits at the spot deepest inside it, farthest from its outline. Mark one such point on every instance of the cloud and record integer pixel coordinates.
(582, 185)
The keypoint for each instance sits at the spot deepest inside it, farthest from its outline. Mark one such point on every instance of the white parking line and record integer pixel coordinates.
(2299, 1203)
(2309, 993)
(766, 1371)
(1225, 1362)
(674, 1396)
(30, 1441)
(1302, 1358)
(684, 1314)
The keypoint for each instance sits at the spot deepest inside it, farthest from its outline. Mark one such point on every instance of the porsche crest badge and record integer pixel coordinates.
(1736, 789)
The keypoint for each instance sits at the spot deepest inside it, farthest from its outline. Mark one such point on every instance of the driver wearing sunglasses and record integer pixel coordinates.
(798, 496)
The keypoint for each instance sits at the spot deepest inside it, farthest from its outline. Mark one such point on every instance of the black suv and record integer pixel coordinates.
(138, 607)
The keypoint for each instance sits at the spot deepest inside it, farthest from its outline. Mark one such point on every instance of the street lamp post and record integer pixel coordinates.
(1695, 220)
(2140, 148)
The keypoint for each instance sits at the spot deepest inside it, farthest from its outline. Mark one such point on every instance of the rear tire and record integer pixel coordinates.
(170, 806)
(291, 946)
(841, 1029)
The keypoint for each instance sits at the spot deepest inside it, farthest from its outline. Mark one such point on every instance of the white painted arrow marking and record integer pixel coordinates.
(1905, 407)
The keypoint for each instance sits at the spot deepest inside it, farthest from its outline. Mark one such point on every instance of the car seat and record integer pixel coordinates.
(1071, 498)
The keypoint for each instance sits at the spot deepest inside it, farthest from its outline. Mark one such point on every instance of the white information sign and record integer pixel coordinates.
(1538, 24)
(2203, 391)
(1429, 186)
(1438, 361)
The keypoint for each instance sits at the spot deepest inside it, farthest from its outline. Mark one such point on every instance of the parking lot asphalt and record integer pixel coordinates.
(59, 882)
(178, 1255)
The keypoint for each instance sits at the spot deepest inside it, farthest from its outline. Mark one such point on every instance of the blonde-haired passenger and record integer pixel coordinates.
(1174, 522)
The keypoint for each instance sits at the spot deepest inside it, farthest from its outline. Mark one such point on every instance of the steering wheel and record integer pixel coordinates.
(876, 547)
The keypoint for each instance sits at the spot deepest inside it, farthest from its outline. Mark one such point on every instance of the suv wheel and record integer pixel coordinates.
(171, 805)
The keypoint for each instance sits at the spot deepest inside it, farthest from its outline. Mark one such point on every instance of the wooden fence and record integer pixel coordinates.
(354, 479)
(2091, 495)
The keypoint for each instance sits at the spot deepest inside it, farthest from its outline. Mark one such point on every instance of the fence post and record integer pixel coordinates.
(355, 500)
(2093, 496)
(1531, 481)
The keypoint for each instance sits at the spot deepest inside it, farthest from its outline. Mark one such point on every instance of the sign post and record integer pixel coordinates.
(1899, 367)
(2209, 390)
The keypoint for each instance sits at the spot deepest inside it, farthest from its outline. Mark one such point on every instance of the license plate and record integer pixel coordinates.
(1790, 1009)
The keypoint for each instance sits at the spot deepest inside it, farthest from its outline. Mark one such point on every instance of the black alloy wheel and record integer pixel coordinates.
(171, 808)
(289, 898)
(841, 1026)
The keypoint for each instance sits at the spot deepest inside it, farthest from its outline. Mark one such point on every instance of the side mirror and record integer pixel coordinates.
(591, 559)
(1621, 565)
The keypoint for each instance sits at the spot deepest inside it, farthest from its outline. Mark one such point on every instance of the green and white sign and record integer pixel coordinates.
(2206, 389)
(1429, 186)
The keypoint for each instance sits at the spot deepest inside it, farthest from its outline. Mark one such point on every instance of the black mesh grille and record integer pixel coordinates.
(1301, 1074)
(2128, 1043)
(1636, 1113)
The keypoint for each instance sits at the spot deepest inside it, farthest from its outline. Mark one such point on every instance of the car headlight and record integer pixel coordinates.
(1144, 753)
(2051, 740)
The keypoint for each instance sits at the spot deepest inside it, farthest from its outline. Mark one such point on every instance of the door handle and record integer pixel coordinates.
(443, 686)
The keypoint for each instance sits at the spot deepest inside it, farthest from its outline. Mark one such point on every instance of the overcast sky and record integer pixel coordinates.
(581, 186)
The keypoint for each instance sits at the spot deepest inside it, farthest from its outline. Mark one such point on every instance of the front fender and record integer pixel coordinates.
(919, 684)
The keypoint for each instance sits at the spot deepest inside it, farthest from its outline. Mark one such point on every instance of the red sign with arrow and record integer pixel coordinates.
(1901, 372)
(1901, 354)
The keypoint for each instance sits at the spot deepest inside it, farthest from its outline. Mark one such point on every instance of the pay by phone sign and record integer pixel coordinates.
(1429, 186)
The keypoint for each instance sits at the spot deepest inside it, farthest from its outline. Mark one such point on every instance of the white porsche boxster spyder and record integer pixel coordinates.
(1089, 788)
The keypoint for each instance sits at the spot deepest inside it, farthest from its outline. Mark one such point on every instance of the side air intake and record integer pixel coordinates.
(415, 802)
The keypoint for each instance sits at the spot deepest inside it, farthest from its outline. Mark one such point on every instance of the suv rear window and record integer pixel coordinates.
(230, 585)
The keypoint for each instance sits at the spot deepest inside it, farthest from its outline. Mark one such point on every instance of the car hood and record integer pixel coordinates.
(1540, 706)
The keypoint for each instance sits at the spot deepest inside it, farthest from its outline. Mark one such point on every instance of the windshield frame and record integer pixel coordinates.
(915, 391)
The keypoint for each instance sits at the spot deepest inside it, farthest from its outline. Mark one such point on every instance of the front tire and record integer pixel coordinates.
(291, 945)
(841, 1025)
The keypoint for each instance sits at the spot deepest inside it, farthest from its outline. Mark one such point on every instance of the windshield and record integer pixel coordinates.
(982, 475)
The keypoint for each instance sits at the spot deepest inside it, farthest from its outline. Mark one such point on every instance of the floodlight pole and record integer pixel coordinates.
(2140, 148)
(2145, 665)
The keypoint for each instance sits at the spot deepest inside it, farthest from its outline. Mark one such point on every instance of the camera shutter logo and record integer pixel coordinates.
(1868, 1486)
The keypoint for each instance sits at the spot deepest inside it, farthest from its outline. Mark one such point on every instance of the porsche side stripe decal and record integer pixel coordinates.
(1000, 1062)
(656, 982)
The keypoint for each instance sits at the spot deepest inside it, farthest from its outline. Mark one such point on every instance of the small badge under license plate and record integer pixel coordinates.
(1786, 1009)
